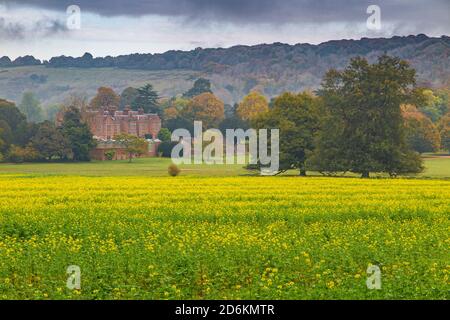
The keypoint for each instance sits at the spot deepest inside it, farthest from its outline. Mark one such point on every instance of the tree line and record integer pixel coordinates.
(23, 141)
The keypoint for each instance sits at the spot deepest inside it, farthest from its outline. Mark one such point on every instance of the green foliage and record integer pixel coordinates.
(6, 135)
(179, 103)
(296, 115)
(435, 103)
(134, 146)
(233, 120)
(77, 134)
(200, 86)
(165, 148)
(147, 99)
(128, 98)
(19, 154)
(179, 122)
(13, 123)
(49, 142)
(164, 135)
(30, 107)
(110, 154)
(166, 145)
(364, 101)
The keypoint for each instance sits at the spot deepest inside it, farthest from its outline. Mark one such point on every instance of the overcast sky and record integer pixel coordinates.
(114, 27)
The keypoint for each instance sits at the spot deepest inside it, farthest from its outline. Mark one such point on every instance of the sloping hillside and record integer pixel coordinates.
(270, 68)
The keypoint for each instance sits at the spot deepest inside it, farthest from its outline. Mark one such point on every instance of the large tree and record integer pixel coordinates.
(133, 145)
(105, 97)
(206, 108)
(252, 105)
(364, 103)
(147, 99)
(30, 107)
(128, 98)
(49, 142)
(233, 120)
(78, 135)
(6, 136)
(296, 116)
(14, 124)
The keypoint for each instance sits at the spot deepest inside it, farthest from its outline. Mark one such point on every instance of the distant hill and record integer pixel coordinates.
(270, 68)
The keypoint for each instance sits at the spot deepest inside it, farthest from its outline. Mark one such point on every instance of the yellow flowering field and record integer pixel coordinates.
(223, 237)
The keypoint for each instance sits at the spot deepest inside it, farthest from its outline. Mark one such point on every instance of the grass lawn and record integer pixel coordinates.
(436, 167)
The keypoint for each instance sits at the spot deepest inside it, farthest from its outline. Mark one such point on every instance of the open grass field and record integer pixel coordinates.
(217, 233)
(436, 167)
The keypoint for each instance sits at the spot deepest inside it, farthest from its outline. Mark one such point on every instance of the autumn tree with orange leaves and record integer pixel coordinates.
(252, 105)
(105, 97)
(444, 130)
(421, 133)
(206, 108)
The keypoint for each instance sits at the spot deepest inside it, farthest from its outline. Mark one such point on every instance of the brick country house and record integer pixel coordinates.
(108, 122)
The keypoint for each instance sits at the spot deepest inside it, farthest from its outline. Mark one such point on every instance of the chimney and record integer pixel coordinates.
(126, 110)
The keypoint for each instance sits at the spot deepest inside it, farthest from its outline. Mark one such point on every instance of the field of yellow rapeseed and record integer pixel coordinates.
(223, 237)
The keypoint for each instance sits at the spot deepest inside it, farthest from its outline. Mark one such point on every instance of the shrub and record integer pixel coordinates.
(109, 155)
(18, 154)
(174, 170)
(165, 148)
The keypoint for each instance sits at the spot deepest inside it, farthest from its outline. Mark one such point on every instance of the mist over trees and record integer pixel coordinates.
(31, 108)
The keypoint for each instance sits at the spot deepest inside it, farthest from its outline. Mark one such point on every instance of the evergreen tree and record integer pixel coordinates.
(78, 135)
(200, 86)
(147, 99)
(128, 97)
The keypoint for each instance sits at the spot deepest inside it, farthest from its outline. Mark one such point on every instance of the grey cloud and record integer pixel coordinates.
(18, 31)
(9, 30)
(256, 11)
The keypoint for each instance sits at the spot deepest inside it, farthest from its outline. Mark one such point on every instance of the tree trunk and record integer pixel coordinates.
(302, 169)
(130, 158)
(365, 175)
